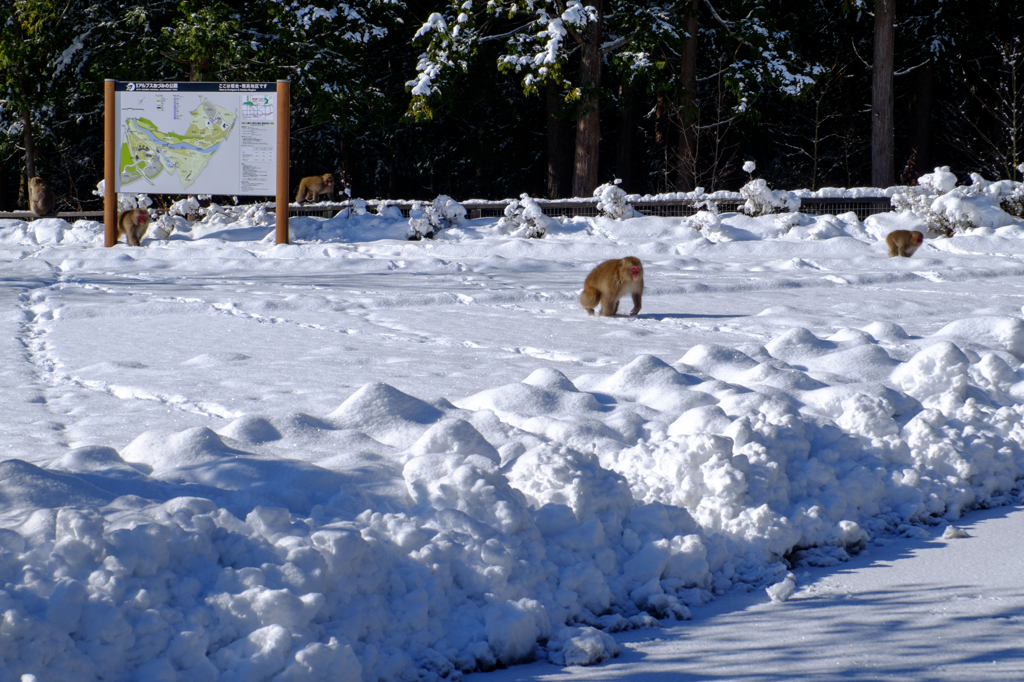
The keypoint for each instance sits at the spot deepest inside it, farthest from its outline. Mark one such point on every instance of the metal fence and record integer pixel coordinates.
(863, 207)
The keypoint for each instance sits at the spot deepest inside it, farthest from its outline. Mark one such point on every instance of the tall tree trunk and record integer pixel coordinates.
(588, 122)
(882, 95)
(559, 162)
(686, 170)
(627, 138)
(30, 148)
(921, 118)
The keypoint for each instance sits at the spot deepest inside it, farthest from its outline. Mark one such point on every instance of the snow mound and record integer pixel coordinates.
(167, 454)
(252, 430)
(1003, 333)
(386, 414)
(645, 373)
(26, 486)
(798, 343)
(454, 436)
(934, 372)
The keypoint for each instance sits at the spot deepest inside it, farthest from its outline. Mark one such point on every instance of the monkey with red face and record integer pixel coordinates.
(609, 282)
(132, 224)
(903, 243)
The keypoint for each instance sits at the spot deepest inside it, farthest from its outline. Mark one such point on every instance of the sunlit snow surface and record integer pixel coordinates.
(360, 458)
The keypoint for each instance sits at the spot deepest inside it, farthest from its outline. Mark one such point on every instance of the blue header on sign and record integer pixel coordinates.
(150, 86)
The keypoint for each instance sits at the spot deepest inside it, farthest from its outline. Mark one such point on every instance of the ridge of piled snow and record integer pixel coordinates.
(698, 477)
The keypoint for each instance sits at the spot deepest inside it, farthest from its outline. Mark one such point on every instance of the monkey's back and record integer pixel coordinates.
(41, 197)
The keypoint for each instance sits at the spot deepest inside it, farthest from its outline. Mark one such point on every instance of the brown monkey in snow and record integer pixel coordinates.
(40, 197)
(610, 281)
(903, 242)
(133, 225)
(312, 187)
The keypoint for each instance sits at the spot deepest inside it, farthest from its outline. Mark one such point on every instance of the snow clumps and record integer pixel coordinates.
(125, 202)
(948, 209)
(388, 210)
(427, 220)
(524, 218)
(611, 201)
(762, 201)
(783, 590)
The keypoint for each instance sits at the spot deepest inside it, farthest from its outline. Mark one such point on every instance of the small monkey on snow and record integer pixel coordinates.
(903, 242)
(312, 187)
(610, 281)
(133, 225)
(40, 197)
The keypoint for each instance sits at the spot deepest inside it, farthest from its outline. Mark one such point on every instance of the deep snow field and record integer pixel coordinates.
(358, 457)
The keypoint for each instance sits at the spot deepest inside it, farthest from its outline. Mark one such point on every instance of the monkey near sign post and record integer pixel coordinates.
(609, 282)
(133, 225)
(40, 197)
(903, 242)
(312, 187)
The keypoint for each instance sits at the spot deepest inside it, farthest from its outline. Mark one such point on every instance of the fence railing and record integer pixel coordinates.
(863, 207)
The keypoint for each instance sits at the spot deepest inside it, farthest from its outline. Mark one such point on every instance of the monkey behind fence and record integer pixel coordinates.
(313, 186)
(40, 197)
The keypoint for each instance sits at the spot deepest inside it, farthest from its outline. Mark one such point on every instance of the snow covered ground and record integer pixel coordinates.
(360, 457)
(915, 609)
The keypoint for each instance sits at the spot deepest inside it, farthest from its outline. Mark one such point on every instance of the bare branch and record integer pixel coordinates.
(906, 71)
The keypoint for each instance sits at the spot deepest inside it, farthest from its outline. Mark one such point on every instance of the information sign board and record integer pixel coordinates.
(196, 138)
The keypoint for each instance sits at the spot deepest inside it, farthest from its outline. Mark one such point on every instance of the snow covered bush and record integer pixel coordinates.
(611, 202)
(706, 222)
(524, 218)
(939, 182)
(161, 228)
(1009, 193)
(1013, 203)
(760, 200)
(948, 209)
(187, 208)
(125, 202)
(427, 220)
(256, 214)
(388, 210)
(922, 202)
(702, 201)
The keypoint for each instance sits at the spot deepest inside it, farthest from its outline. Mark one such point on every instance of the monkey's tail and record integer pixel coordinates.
(590, 298)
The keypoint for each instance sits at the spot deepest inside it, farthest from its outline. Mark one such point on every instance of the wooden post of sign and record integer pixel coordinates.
(284, 134)
(109, 164)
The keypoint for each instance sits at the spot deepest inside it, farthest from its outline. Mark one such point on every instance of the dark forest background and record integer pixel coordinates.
(957, 96)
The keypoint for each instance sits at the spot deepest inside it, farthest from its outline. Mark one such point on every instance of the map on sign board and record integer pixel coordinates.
(196, 138)
(148, 151)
